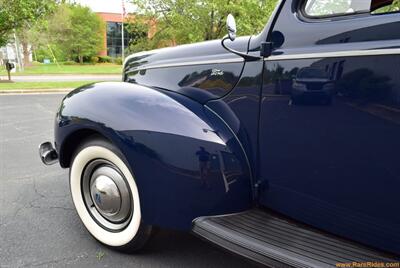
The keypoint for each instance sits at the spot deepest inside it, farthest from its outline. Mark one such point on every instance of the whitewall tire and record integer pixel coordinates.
(106, 196)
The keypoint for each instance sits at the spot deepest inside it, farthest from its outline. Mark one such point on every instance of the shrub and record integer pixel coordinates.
(118, 61)
(94, 60)
(85, 59)
(70, 62)
(105, 59)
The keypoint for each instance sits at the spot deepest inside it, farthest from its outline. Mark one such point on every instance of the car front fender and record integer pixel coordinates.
(186, 161)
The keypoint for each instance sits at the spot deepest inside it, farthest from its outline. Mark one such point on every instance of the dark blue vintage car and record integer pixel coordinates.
(282, 147)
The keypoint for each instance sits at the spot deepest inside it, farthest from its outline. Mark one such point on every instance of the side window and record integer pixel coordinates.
(330, 8)
(382, 7)
(333, 8)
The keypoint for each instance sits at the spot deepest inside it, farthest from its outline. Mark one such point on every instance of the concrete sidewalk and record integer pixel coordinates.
(35, 91)
(64, 78)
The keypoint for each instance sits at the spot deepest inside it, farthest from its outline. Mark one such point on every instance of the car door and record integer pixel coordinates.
(329, 141)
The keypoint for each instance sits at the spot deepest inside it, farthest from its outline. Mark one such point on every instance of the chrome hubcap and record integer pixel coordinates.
(107, 195)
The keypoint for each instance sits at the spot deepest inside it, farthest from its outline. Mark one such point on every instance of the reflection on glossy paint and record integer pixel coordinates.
(334, 166)
(325, 79)
(201, 82)
(145, 101)
(240, 109)
(319, 156)
(204, 165)
(312, 85)
(214, 79)
(186, 162)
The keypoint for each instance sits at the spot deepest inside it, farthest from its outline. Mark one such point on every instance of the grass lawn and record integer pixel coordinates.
(37, 69)
(42, 85)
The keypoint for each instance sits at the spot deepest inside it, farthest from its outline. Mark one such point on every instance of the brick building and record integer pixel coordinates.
(113, 34)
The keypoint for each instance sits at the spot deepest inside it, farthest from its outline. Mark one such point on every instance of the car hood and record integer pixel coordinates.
(197, 52)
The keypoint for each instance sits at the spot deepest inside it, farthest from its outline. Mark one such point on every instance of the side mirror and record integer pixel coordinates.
(231, 26)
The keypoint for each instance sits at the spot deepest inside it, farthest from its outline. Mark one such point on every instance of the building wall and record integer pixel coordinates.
(9, 52)
(117, 17)
(107, 17)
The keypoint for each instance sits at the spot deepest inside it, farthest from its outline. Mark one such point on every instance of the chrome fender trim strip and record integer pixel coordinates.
(336, 54)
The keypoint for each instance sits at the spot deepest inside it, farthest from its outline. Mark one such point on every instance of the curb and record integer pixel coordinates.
(35, 91)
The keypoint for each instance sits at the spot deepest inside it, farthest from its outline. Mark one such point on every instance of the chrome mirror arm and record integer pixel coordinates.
(241, 54)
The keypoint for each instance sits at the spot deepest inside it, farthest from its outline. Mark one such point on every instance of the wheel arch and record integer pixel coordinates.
(72, 142)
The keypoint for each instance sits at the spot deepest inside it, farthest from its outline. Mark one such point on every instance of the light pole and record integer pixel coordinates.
(18, 53)
(122, 33)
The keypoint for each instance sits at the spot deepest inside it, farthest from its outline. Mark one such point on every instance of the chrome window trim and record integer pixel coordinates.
(336, 54)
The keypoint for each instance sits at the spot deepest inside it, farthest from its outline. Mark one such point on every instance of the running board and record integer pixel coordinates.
(277, 242)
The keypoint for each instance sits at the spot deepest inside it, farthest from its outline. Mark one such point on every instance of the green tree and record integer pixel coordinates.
(59, 33)
(18, 14)
(73, 32)
(138, 28)
(86, 33)
(188, 21)
(32, 36)
(394, 7)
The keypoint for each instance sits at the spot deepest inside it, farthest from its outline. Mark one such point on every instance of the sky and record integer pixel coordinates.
(112, 6)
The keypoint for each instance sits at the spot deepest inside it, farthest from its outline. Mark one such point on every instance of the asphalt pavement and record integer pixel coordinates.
(38, 223)
(64, 78)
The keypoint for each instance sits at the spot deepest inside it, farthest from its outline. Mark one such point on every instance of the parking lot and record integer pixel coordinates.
(38, 224)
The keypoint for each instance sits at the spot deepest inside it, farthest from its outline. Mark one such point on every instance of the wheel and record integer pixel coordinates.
(106, 196)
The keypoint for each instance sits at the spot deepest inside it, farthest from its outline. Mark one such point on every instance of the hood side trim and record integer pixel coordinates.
(188, 63)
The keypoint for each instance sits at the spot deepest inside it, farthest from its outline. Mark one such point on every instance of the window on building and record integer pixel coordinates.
(114, 39)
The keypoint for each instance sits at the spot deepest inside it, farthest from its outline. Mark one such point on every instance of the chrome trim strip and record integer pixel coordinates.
(187, 63)
(336, 54)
